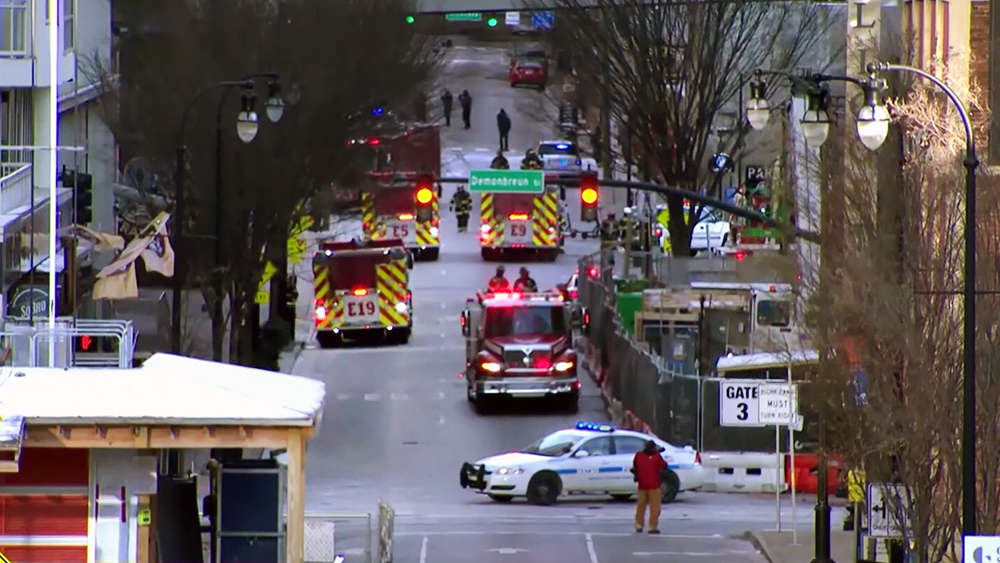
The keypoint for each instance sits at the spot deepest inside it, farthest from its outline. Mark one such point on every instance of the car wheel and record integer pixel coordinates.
(513, 84)
(544, 488)
(670, 485)
(501, 498)
(621, 498)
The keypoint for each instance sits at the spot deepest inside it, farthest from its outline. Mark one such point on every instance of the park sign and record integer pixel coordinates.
(507, 181)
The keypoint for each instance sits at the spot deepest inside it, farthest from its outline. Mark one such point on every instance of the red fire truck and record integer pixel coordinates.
(513, 222)
(402, 202)
(362, 289)
(521, 345)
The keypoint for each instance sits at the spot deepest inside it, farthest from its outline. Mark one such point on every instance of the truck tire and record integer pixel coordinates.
(431, 254)
(483, 404)
(544, 488)
(401, 335)
(570, 403)
(328, 340)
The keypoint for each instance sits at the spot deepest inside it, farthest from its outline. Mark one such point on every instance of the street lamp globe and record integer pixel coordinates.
(873, 125)
(758, 113)
(274, 108)
(815, 126)
(247, 125)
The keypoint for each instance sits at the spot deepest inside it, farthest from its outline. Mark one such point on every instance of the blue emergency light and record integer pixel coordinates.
(378, 110)
(562, 146)
(595, 427)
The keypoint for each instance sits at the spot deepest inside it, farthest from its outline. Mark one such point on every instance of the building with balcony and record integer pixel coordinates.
(86, 144)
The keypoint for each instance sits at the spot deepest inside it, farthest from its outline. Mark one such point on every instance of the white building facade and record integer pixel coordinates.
(87, 144)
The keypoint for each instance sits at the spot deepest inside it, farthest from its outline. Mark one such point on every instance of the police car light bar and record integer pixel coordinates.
(548, 296)
(595, 426)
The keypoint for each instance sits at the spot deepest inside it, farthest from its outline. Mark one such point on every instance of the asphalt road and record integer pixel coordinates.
(397, 425)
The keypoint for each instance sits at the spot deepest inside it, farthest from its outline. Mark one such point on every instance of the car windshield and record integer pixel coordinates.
(523, 320)
(557, 443)
(558, 149)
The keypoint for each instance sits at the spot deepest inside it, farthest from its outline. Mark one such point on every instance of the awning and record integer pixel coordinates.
(11, 439)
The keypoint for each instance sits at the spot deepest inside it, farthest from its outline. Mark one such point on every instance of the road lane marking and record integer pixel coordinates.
(590, 548)
(399, 397)
(343, 396)
(508, 550)
(408, 349)
(568, 533)
(372, 397)
(692, 553)
(441, 395)
(423, 550)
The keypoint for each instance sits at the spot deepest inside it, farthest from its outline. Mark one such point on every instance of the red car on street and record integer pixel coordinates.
(528, 72)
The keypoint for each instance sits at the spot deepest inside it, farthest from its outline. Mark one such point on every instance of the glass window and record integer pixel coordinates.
(351, 272)
(773, 313)
(13, 27)
(524, 320)
(558, 443)
(69, 27)
(629, 444)
(558, 148)
(600, 445)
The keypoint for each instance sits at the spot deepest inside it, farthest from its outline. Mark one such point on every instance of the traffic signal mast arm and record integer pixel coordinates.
(789, 230)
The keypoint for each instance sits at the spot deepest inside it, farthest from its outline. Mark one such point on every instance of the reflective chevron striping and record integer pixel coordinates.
(392, 284)
(369, 224)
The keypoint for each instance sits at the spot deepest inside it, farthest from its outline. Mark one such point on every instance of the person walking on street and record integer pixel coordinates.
(461, 204)
(500, 162)
(465, 100)
(446, 102)
(503, 125)
(647, 466)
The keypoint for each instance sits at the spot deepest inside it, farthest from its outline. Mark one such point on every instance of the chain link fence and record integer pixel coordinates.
(328, 536)
(663, 391)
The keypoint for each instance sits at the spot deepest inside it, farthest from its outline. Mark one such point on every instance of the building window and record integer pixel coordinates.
(69, 25)
(13, 28)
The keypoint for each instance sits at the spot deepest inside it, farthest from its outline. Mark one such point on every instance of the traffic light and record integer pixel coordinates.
(424, 195)
(83, 194)
(410, 19)
(492, 22)
(589, 194)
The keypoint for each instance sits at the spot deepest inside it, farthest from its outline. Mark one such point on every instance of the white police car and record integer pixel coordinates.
(591, 458)
(559, 156)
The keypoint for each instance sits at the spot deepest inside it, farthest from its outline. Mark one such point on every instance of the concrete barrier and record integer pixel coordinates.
(744, 472)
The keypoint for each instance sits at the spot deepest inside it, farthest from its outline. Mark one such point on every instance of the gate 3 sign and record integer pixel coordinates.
(756, 403)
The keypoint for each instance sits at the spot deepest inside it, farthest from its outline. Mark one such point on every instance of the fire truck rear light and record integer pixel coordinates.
(360, 292)
(491, 367)
(409, 295)
(434, 231)
(542, 363)
(740, 255)
(518, 216)
(576, 385)
(320, 313)
(406, 216)
(485, 229)
(501, 295)
(564, 366)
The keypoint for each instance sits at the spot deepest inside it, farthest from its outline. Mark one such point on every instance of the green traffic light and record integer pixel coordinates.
(410, 19)
(492, 22)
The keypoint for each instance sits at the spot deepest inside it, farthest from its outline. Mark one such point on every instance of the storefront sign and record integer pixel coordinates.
(28, 302)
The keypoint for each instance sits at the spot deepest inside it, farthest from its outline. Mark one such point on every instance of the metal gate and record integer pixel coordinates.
(249, 519)
(329, 536)
(28, 345)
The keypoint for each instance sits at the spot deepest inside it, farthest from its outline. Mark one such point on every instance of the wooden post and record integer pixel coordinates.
(295, 538)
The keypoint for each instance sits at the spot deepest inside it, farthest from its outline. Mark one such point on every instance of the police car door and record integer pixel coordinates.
(592, 463)
(625, 450)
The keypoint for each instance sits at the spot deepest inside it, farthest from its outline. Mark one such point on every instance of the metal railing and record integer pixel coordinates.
(27, 345)
(15, 185)
(330, 536)
(14, 28)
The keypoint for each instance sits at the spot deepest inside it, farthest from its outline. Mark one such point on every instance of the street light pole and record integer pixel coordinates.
(971, 163)
(179, 216)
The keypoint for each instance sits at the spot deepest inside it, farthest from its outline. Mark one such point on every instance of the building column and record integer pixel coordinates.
(295, 531)
(40, 126)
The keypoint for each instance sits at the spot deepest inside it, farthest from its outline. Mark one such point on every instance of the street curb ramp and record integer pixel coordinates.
(760, 544)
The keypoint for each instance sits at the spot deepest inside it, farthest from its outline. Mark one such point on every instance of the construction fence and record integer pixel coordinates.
(654, 394)
(351, 536)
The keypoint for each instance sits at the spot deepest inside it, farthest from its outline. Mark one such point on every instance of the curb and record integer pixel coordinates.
(760, 544)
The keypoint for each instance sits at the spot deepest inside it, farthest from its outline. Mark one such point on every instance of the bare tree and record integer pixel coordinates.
(335, 61)
(893, 315)
(668, 70)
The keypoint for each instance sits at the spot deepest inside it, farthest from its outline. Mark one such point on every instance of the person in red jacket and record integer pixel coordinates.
(647, 466)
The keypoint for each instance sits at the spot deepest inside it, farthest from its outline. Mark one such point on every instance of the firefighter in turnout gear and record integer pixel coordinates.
(531, 160)
(461, 205)
(525, 283)
(500, 162)
(499, 281)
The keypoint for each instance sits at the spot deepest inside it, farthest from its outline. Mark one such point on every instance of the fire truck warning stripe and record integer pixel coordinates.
(392, 279)
(391, 288)
(321, 283)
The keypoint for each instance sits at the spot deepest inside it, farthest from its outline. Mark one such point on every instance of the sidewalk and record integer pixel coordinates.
(777, 547)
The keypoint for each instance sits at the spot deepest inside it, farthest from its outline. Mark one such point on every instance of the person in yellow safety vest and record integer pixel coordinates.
(663, 218)
(855, 497)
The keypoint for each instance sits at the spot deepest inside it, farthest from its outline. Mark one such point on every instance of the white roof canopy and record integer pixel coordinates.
(166, 390)
(767, 360)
